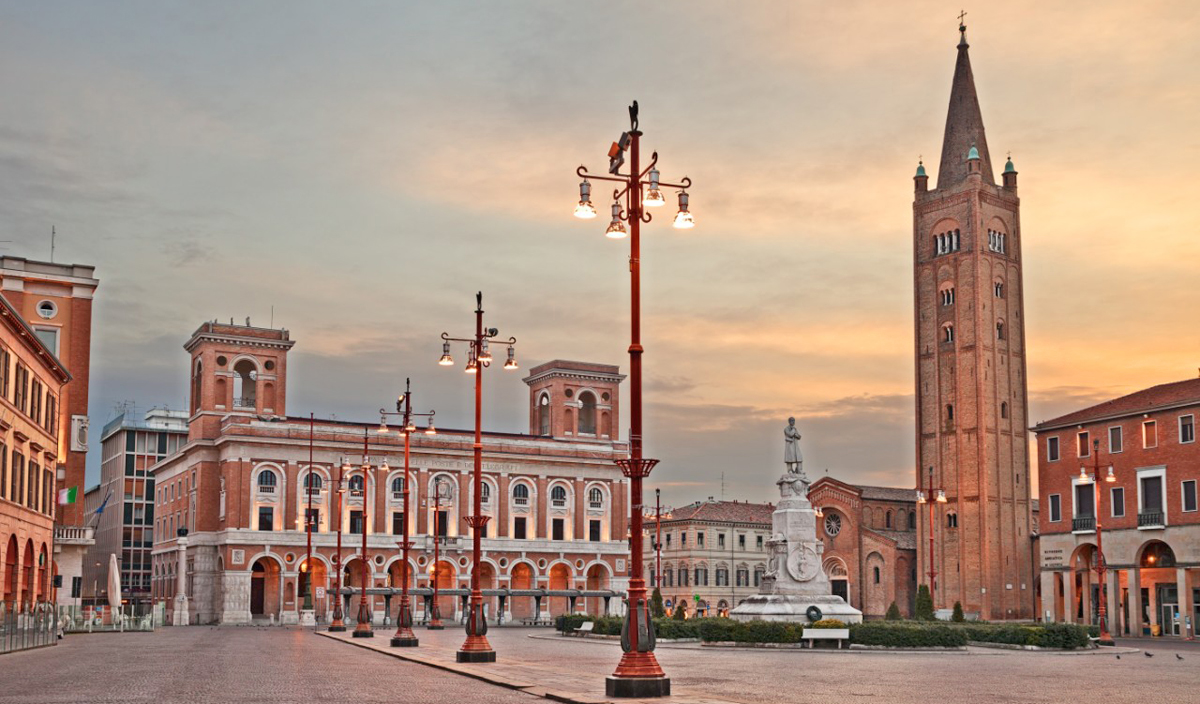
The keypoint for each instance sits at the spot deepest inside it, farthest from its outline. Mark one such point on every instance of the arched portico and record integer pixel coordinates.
(265, 587)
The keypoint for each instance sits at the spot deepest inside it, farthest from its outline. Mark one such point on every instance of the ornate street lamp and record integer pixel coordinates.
(476, 647)
(363, 628)
(338, 624)
(405, 638)
(1099, 565)
(930, 498)
(435, 611)
(638, 674)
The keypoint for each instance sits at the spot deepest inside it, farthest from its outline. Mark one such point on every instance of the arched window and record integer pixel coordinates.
(245, 381)
(912, 520)
(397, 487)
(587, 413)
(947, 333)
(951, 520)
(485, 493)
(888, 520)
(520, 495)
(949, 412)
(356, 485)
(198, 386)
(948, 296)
(312, 481)
(558, 496)
(998, 289)
(267, 481)
(876, 574)
(1000, 330)
(595, 498)
(1004, 409)
(543, 412)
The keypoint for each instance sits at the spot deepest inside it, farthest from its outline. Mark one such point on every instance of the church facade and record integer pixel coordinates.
(971, 397)
(242, 485)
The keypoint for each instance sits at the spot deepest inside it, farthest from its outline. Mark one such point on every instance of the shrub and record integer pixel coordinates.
(924, 610)
(656, 604)
(1051, 635)
(570, 622)
(828, 623)
(907, 635)
(893, 613)
(680, 612)
(672, 628)
(957, 616)
(726, 629)
(718, 630)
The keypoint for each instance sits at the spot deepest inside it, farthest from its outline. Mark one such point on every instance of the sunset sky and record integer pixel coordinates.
(364, 168)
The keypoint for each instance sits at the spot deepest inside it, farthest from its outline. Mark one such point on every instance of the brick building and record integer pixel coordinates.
(55, 300)
(870, 543)
(971, 397)
(241, 484)
(31, 391)
(1148, 511)
(130, 444)
(713, 550)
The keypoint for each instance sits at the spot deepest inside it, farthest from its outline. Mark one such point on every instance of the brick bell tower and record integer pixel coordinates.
(235, 370)
(574, 400)
(970, 371)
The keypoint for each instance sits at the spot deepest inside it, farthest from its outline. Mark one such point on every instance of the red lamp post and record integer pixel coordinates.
(638, 674)
(363, 628)
(657, 537)
(435, 611)
(476, 647)
(1100, 566)
(405, 638)
(338, 623)
(308, 521)
(928, 497)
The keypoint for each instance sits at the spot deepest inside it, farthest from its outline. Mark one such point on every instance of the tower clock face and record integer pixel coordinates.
(833, 524)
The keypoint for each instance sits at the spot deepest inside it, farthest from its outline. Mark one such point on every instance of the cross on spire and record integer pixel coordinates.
(961, 26)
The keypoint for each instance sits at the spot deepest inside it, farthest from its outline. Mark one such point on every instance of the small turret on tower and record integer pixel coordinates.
(921, 179)
(1010, 174)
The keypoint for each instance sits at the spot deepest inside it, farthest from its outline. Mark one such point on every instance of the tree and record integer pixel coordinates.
(680, 612)
(958, 617)
(656, 604)
(924, 610)
(893, 613)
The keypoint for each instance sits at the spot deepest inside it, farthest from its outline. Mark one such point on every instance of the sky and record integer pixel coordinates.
(356, 171)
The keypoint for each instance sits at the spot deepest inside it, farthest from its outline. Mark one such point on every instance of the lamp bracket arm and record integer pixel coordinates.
(685, 184)
(447, 338)
(582, 172)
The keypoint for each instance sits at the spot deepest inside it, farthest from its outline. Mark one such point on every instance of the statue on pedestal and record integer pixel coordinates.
(794, 483)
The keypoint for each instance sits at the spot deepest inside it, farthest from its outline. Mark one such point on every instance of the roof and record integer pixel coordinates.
(33, 342)
(1176, 393)
(724, 511)
(964, 126)
(888, 493)
(905, 539)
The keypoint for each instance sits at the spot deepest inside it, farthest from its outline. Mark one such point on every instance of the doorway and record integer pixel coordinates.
(1168, 609)
(841, 587)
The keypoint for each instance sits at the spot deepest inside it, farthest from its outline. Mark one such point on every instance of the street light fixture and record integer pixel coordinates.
(338, 624)
(585, 210)
(476, 647)
(930, 498)
(435, 611)
(638, 674)
(1100, 565)
(363, 628)
(404, 637)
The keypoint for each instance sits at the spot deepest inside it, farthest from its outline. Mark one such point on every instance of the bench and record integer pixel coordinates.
(812, 635)
(584, 628)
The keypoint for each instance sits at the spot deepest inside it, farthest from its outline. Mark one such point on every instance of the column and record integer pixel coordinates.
(1069, 595)
(1135, 601)
(1114, 601)
(1049, 596)
(1085, 581)
(180, 616)
(1185, 599)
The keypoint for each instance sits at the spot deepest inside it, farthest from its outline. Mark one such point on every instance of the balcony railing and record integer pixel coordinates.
(397, 495)
(244, 402)
(558, 503)
(1084, 523)
(356, 493)
(313, 490)
(266, 488)
(596, 504)
(1151, 518)
(520, 501)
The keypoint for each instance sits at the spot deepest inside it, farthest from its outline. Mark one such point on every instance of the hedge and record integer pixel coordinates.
(611, 625)
(900, 634)
(1050, 635)
(725, 630)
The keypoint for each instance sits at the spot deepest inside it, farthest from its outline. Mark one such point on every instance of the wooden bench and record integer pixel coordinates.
(584, 628)
(812, 635)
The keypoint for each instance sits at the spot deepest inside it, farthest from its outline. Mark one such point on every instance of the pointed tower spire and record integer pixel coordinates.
(964, 124)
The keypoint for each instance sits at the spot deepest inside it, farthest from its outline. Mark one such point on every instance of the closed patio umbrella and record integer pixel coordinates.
(114, 582)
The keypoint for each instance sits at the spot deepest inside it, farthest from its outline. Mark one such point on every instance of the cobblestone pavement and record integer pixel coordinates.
(752, 676)
(201, 664)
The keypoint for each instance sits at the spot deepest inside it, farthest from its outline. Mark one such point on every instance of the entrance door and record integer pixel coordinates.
(1168, 610)
(841, 587)
(257, 591)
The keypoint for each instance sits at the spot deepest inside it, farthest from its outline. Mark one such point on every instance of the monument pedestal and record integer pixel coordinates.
(180, 616)
(308, 618)
(794, 608)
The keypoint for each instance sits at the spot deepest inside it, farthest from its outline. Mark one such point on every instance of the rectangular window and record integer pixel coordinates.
(722, 577)
(1052, 449)
(683, 577)
(720, 540)
(700, 539)
(682, 540)
(1116, 441)
(266, 518)
(557, 529)
(741, 542)
(519, 528)
(48, 337)
(668, 540)
(5, 362)
(1055, 508)
(1085, 501)
(397, 523)
(594, 531)
(1084, 446)
(1118, 502)
(758, 542)
(1149, 434)
(443, 523)
(1187, 428)
(313, 515)
(1152, 494)
(1189, 496)
(356, 522)
(162, 443)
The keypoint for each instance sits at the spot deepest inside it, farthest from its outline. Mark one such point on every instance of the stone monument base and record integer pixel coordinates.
(794, 608)
(308, 618)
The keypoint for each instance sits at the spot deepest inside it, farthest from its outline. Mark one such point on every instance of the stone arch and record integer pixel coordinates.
(394, 571)
(522, 575)
(597, 576)
(561, 576)
(245, 381)
(449, 507)
(561, 506)
(265, 585)
(875, 583)
(588, 420)
(839, 576)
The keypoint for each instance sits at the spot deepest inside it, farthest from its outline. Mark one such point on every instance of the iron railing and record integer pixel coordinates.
(1151, 518)
(1084, 523)
(142, 616)
(24, 626)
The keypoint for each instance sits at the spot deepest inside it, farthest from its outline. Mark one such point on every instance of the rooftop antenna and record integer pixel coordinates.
(272, 326)
(722, 486)
(52, 235)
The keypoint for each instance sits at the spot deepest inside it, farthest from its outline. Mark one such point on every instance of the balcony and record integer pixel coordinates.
(1083, 524)
(74, 535)
(266, 488)
(520, 501)
(558, 503)
(596, 505)
(1151, 519)
(397, 496)
(244, 402)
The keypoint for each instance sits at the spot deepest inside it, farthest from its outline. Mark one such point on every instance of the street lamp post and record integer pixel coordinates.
(1100, 566)
(363, 628)
(638, 674)
(404, 637)
(435, 611)
(657, 537)
(476, 647)
(338, 624)
(308, 523)
(928, 497)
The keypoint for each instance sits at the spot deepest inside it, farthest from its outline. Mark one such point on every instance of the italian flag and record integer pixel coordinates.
(67, 496)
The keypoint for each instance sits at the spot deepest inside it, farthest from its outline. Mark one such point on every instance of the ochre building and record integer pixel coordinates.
(971, 397)
(242, 483)
(1147, 514)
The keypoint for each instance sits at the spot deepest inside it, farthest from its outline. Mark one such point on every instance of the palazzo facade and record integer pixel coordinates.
(241, 486)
